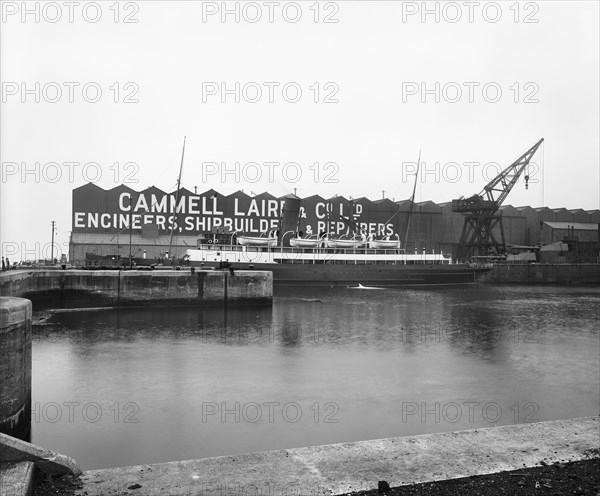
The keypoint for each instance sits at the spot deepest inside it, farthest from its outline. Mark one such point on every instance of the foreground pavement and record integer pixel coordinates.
(360, 466)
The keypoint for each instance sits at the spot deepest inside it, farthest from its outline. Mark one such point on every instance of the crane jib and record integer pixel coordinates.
(483, 233)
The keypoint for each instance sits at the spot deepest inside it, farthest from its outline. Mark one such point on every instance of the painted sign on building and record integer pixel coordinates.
(96, 210)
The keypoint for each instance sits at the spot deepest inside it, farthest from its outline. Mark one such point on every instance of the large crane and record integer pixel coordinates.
(481, 219)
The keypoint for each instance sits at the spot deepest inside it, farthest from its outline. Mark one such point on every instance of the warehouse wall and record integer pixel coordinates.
(432, 226)
(552, 234)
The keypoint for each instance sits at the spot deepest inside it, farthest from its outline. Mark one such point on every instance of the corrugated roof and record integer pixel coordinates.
(578, 226)
(92, 186)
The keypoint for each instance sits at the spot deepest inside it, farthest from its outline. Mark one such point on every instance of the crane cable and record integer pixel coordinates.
(527, 172)
(542, 173)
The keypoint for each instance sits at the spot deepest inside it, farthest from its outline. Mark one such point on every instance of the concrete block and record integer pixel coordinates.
(15, 366)
(13, 450)
(88, 288)
(16, 479)
(249, 286)
(211, 286)
(14, 311)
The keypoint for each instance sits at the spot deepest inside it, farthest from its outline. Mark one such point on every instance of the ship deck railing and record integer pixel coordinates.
(285, 249)
(290, 254)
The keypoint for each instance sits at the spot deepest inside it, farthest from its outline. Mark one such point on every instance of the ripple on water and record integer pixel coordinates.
(356, 358)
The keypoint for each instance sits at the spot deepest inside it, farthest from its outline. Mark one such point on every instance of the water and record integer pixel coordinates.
(117, 388)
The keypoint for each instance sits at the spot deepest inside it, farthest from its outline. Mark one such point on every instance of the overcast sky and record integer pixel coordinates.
(497, 77)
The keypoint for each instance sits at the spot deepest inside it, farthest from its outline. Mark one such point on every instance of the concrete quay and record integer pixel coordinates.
(97, 288)
(536, 273)
(19, 460)
(16, 479)
(15, 451)
(349, 467)
(15, 366)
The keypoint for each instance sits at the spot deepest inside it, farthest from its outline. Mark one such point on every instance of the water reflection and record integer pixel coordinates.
(372, 363)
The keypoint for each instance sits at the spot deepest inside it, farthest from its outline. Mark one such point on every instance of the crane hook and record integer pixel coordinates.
(526, 181)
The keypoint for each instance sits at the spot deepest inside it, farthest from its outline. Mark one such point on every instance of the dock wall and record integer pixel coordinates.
(543, 273)
(15, 366)
(91, 288)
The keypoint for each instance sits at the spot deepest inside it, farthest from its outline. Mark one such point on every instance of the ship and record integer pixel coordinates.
(354, 259)
(354, 267)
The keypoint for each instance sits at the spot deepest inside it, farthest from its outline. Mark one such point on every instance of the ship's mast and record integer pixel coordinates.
(171, 257)
(412, 202)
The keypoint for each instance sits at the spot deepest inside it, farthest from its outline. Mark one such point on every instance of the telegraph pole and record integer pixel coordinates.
(52, 244)
(130, 231)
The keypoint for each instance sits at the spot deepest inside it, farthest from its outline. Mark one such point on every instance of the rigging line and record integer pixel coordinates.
(398, 203)
(542, 174)
(393, 215)
(412, 198)
(397, 212)
(157, 177)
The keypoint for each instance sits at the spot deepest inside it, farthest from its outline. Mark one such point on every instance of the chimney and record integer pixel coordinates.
(290, 212)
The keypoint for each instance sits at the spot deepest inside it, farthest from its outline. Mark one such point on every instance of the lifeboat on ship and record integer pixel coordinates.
(266, 242)
(305, 242)
(385, 244)
(344, 243)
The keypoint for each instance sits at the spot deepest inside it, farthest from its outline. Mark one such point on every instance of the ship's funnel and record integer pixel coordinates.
(289, 219)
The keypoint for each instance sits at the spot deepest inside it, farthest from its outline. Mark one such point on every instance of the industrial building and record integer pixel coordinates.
(552, 232)
(101, 221)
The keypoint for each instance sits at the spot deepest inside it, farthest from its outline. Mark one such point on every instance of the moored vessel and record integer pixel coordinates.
(352, 259)
(338, 266)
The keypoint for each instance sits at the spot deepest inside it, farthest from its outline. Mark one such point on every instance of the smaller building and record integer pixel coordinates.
(553, 232)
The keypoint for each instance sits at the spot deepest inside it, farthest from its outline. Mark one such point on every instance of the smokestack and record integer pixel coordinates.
(289, 218)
